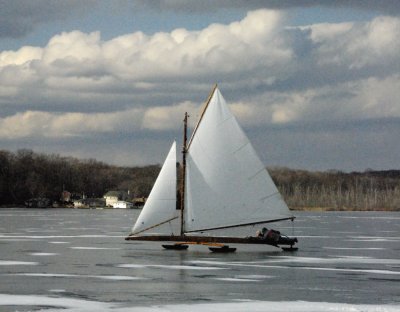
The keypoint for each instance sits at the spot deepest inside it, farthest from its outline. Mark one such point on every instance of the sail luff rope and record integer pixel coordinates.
(202, 114)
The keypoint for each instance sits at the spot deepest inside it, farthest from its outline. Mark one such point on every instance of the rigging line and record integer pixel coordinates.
(153, 226)
(239, 225)
(292, 227)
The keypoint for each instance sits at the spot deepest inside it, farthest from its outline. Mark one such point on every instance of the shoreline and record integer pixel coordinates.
(309, 209)
(332, 209)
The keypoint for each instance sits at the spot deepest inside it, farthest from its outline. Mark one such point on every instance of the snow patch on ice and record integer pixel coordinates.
(170, 267)
(232, 279)
(95, 248)
(255, 276)
(59, 242)
(43, 254)
(118, 277)
(132, 266)
(104, 277)
(11, 262)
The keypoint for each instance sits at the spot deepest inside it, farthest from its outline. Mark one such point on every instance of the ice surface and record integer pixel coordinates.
(306, 260)
(120, 276)
(370, 217)
(170, 267)
(2, 236)
(335, 259)
(10, 239)
(95, 248)
(53, 304)
(354, 248)
(264, 264)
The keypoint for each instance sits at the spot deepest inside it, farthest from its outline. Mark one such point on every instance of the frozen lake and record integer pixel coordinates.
(78, 260)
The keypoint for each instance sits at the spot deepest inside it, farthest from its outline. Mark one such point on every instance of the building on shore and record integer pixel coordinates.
(90, 203)
(112, 197)
(123, 205)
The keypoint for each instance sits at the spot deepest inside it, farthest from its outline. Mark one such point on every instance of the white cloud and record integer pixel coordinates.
(137, 57)
(24, 124)
(63, 125)
(378, 98)
(20, 57)
(50, 125)
(358, 45)
(166, 117)
(79, 84)
(364, 99)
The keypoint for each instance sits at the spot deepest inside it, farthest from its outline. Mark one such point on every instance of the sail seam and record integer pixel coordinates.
(263, 200)
(268, 196)
(224, 121)
(257, 173)
(242, 147)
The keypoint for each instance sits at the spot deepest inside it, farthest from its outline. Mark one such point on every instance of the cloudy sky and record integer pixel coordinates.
(315, 85)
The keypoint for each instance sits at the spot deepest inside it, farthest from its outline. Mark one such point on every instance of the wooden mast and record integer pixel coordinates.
(184, 150)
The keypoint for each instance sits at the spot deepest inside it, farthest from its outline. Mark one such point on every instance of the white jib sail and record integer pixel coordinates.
(159, 214)
(226, 182)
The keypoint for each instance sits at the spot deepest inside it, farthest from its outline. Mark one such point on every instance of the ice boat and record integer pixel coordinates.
(225, 191)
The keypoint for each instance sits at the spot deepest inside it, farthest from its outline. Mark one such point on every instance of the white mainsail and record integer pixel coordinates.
(227, 185)
(159, 214)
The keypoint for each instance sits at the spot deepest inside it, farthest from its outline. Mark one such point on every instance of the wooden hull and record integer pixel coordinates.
(213, 239)
(223, 249)
(176, 246)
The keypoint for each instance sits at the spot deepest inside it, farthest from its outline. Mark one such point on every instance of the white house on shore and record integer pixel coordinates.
(123, 205)
(89, 203)
(112, 197)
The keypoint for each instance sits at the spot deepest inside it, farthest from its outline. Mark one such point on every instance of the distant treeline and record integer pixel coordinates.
(25, 175)
(336, 190)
